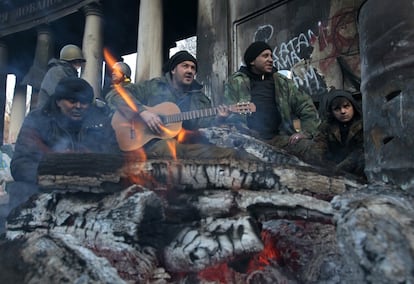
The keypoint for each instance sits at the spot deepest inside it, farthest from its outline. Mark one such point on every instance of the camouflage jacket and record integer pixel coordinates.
(292, 102)
(58, 69)
(114, 99)
(158, 90)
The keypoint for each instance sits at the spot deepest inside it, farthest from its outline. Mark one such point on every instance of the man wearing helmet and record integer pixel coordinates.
(121, 72)
(121, 82)
(70, 60)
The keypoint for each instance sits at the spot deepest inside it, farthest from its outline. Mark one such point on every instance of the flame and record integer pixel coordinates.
(172, 148)
(221, 273)
(269, 252)
(182, 135)
(131, 158)
(120, 90)
(138, 154)
(109, 58)
(167, 131)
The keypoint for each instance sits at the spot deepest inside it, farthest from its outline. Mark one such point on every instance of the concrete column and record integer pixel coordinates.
(44, 52)
(212, 47)
(3, 84)
(18, 111)
(92, 47)
(150, 35)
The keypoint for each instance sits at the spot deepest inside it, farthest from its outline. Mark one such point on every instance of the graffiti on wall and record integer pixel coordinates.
(317, 56)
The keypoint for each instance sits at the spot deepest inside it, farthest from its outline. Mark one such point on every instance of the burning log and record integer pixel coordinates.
(187, 216)
(110, 227)
(213, 241)
(202, 189)
(236, 175)
(188, 175)
(231, 137)
(263, 205)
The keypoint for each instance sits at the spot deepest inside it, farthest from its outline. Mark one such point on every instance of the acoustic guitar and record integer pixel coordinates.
(133, 134)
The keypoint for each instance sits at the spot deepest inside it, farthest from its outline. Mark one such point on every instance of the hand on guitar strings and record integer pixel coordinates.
(152, 120)
(223, 111)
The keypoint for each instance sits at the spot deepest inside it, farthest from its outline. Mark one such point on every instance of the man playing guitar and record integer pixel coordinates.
(177, 86)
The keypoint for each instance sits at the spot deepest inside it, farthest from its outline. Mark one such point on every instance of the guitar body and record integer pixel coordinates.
(133, 134)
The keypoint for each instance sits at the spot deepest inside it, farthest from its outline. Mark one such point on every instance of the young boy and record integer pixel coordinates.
(340, 137)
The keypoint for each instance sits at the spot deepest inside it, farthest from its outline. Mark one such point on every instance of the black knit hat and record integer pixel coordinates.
(254, 50)
(177, 58)
(74, 88)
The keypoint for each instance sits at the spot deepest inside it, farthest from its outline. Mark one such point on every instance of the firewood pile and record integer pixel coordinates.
(107, 219)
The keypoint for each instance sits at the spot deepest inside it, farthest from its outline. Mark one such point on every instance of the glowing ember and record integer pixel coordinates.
(269, 252)
(218, 273)
(221, 273)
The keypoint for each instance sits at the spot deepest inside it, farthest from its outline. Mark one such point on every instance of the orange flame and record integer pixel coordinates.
(131, 158)
(121, 90)
(125, 96)
(182, 135)
(168, 132)
(173, 150)
(221, 273)
(269, 252)
(109, 58)
(140, 154)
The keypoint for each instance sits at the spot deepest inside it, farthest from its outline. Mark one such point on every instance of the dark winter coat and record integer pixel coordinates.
(58, 69)
(47, 131)
(348, 155)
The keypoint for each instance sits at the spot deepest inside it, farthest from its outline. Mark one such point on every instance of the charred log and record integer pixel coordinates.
(212, 241)
(194, 175)
(234, 138)
(92, 218)
(59, 259)
(375, 231)
(263, 205)
(111, 227)
(88, 172)
(202, 214)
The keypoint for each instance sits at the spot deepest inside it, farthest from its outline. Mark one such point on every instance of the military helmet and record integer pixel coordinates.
(71, 52)
(123, 67)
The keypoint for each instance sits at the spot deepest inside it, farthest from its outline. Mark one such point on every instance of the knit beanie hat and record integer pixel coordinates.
(74, 88)
(177, 58)
(254, 50)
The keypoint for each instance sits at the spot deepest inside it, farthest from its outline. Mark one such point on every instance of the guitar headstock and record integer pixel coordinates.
(243, 108)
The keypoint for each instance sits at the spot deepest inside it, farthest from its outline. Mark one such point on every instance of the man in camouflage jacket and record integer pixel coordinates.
(278, 102)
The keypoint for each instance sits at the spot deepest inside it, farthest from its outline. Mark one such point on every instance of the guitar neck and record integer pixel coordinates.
(187, 115)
